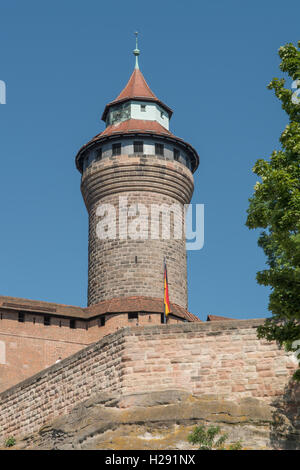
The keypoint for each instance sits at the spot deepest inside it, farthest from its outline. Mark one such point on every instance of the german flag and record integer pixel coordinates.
(166, 291)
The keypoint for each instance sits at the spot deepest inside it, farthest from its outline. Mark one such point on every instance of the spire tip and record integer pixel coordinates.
(136, 51)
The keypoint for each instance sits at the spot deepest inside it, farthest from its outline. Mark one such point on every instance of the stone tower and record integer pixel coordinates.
(136, 165)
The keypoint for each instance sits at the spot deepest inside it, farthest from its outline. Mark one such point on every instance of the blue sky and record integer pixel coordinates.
(210, 61)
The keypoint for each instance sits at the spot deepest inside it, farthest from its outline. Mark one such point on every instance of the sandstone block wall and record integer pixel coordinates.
(134, 267)
(30, 347)
(220, 358)
(55, 391)
(224, 358)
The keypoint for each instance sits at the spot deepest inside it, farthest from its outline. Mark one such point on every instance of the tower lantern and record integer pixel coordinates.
(145, 172)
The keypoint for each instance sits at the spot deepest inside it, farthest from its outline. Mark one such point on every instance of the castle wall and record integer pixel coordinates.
(30, 347)
(56, 390)
(221, 358)
(224, 358)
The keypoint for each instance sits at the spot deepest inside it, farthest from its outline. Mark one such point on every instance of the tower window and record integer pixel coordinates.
(138, 147)
(159, 149)
(47, 320)
(101, 321)
(161, 114)
(176, 155)
(116, 149)
(86, 161)
(21, 317)
(143, 107)
(73, 324)
(98, 154)
(133, 316)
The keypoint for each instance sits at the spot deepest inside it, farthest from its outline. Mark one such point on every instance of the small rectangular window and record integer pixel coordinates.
(159, 149)
(162, 318)
(143, 107)
(101, 321)
(73, 324)
(176, 155)
(133, 316)
(47, 320)
(116, 149)
(138, 147)
(98, 154)
(21, 317)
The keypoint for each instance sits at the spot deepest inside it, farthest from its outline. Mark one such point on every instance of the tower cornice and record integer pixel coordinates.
(135, 127)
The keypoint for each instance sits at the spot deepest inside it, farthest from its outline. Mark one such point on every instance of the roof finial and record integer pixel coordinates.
(136, 51)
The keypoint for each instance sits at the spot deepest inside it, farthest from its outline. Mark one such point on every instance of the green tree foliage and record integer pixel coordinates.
(275, 207)
(10, 442)
(206, 438)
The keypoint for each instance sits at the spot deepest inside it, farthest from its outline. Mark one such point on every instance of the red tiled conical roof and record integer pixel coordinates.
(136, 88)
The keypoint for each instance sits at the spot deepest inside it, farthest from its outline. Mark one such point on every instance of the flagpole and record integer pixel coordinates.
(164, 290)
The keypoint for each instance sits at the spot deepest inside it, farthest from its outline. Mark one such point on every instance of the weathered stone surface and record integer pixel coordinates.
(163, 420)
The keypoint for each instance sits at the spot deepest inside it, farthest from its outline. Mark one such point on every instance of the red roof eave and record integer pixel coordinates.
(136, 126)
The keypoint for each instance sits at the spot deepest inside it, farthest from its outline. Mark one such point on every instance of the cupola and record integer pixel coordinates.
(137, 101)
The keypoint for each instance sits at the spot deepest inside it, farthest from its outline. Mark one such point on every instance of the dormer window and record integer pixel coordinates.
(159, 149)
(143, 107)
(116, 149)
(138, 147)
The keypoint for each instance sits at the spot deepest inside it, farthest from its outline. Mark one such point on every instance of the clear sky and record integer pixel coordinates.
(210, 61)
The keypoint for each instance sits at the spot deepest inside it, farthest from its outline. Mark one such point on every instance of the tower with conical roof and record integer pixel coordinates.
(145, 173)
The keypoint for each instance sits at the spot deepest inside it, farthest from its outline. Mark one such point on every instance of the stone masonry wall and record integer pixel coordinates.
(222, 358)
(56, 390)
(29, 347)
(134, 266)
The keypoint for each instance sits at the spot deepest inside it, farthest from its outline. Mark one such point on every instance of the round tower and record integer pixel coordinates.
(136, 178)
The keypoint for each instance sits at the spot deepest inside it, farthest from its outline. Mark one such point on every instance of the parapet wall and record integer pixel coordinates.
(223, 358)
(25, 407)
